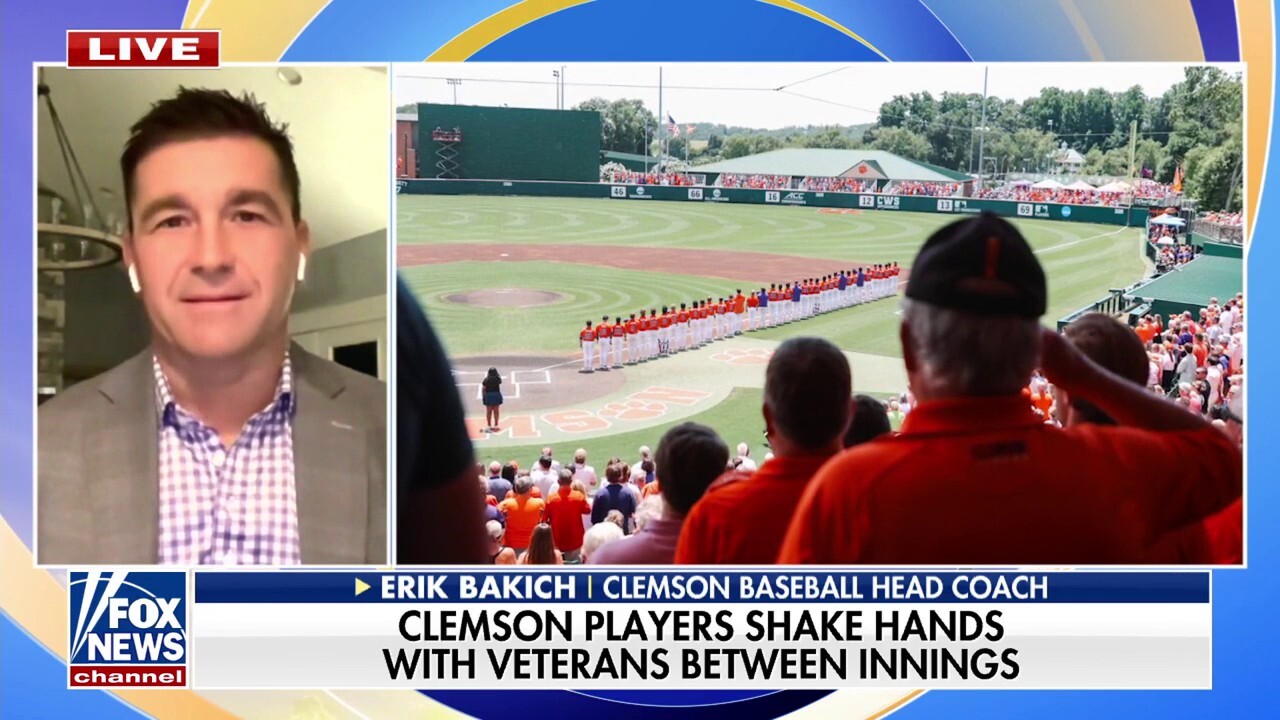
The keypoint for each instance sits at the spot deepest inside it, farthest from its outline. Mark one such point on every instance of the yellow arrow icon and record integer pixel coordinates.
(361, 586)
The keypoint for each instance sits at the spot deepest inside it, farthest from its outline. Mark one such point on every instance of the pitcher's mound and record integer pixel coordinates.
(505, 298)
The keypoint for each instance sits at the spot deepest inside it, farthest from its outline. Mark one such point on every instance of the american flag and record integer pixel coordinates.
(673, 127)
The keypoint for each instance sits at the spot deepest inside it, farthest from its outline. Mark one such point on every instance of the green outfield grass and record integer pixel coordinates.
(1081, 261)
(588, 294)
(737, 419)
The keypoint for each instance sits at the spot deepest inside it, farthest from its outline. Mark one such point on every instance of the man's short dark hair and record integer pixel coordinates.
(1114, 346)
(807, 387)
(870, 421)
(690, 457)
(545, 462)
(196, 113)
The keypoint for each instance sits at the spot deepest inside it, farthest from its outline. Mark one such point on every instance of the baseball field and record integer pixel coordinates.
(508, 282)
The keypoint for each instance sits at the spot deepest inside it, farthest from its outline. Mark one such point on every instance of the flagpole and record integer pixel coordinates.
(661, 120)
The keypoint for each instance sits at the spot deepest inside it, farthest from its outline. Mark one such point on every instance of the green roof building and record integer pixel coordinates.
(813, 162)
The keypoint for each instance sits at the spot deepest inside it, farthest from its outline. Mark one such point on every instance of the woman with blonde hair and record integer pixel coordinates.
(499, 554)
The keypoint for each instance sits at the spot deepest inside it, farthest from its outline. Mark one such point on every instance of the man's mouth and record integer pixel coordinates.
(222, 298)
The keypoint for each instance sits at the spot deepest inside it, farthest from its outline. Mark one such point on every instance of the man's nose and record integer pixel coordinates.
(213, 251)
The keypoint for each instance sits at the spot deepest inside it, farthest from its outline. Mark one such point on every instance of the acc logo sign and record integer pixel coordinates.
(794, 198)
(1025, 209)
(866, 201)
(695, 193)
(128, 629)
(618, 191)
(944, 205)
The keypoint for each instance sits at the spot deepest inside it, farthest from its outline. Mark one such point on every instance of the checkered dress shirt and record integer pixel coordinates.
(228, 506)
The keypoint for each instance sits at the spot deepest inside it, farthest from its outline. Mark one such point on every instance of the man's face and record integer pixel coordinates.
(215, 245)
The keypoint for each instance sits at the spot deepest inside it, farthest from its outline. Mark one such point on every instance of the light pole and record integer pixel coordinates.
(564, 104)
(556, 74)
(455, 82)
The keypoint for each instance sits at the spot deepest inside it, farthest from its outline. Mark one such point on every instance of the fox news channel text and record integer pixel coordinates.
(127, 629)
(704, 630)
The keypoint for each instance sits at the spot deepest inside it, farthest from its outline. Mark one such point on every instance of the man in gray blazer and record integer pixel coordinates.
(222, 443)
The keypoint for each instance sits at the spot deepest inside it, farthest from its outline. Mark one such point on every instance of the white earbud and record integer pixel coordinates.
(302, 268)
(133, 279)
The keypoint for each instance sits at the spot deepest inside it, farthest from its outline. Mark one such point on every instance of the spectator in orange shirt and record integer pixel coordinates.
(524, 512)
(565, 509)
(807, 408)
(975, 476)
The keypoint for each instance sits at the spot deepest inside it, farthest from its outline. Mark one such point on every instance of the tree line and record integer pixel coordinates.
(1196, 125)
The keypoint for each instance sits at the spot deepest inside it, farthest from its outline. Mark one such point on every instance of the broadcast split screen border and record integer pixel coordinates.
(339, 180)
(348, 30)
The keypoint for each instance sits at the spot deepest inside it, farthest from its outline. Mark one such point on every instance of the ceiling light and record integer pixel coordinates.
(61, 243)
(289, 76)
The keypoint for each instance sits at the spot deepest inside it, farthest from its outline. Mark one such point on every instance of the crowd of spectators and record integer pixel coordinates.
(927, 189)
(629, 177)
(1225, 219)
(837, 184)
(754, 182)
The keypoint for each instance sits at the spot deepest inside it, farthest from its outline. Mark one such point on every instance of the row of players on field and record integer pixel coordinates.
(691, 325)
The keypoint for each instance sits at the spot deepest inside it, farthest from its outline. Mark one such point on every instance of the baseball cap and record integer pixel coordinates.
(980, 265)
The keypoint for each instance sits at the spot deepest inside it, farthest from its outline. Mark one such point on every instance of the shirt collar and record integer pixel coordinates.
(283, 402)
(971, 415)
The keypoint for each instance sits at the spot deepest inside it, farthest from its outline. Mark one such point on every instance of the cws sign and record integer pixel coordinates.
(128, 629)
(143, 48)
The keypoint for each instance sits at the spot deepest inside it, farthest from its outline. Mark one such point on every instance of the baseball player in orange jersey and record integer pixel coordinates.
(633, 341)
(604, 333)
(653, 332)
(619, 337)
(664, 331)
(642, 339)
(709, 324)
(702, 323)
(775, 304)
(753, 311)
(695, 324)
(739, 312)
(586, 341)
(682, 328)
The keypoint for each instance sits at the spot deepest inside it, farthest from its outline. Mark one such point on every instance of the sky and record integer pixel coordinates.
(747, 94)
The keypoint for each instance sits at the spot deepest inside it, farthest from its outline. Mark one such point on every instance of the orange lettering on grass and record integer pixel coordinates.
(575, 421)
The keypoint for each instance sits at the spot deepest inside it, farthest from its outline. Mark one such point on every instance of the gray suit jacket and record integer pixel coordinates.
(98, 478)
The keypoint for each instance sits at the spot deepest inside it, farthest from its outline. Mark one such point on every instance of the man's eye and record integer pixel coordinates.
(247, 216)
(172, 222)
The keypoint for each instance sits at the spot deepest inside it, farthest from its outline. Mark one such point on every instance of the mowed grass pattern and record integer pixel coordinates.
(1081, 261)
(737, 419)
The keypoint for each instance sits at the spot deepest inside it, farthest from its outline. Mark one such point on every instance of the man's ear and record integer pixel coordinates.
(130, 262)
(304, 248)
(908, 349)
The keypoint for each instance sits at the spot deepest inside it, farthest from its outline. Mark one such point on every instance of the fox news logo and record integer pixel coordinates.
(128, 629)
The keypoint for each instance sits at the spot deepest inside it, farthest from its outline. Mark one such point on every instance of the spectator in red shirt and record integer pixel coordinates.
(975, 476)
(564, 512)
(807, 408)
